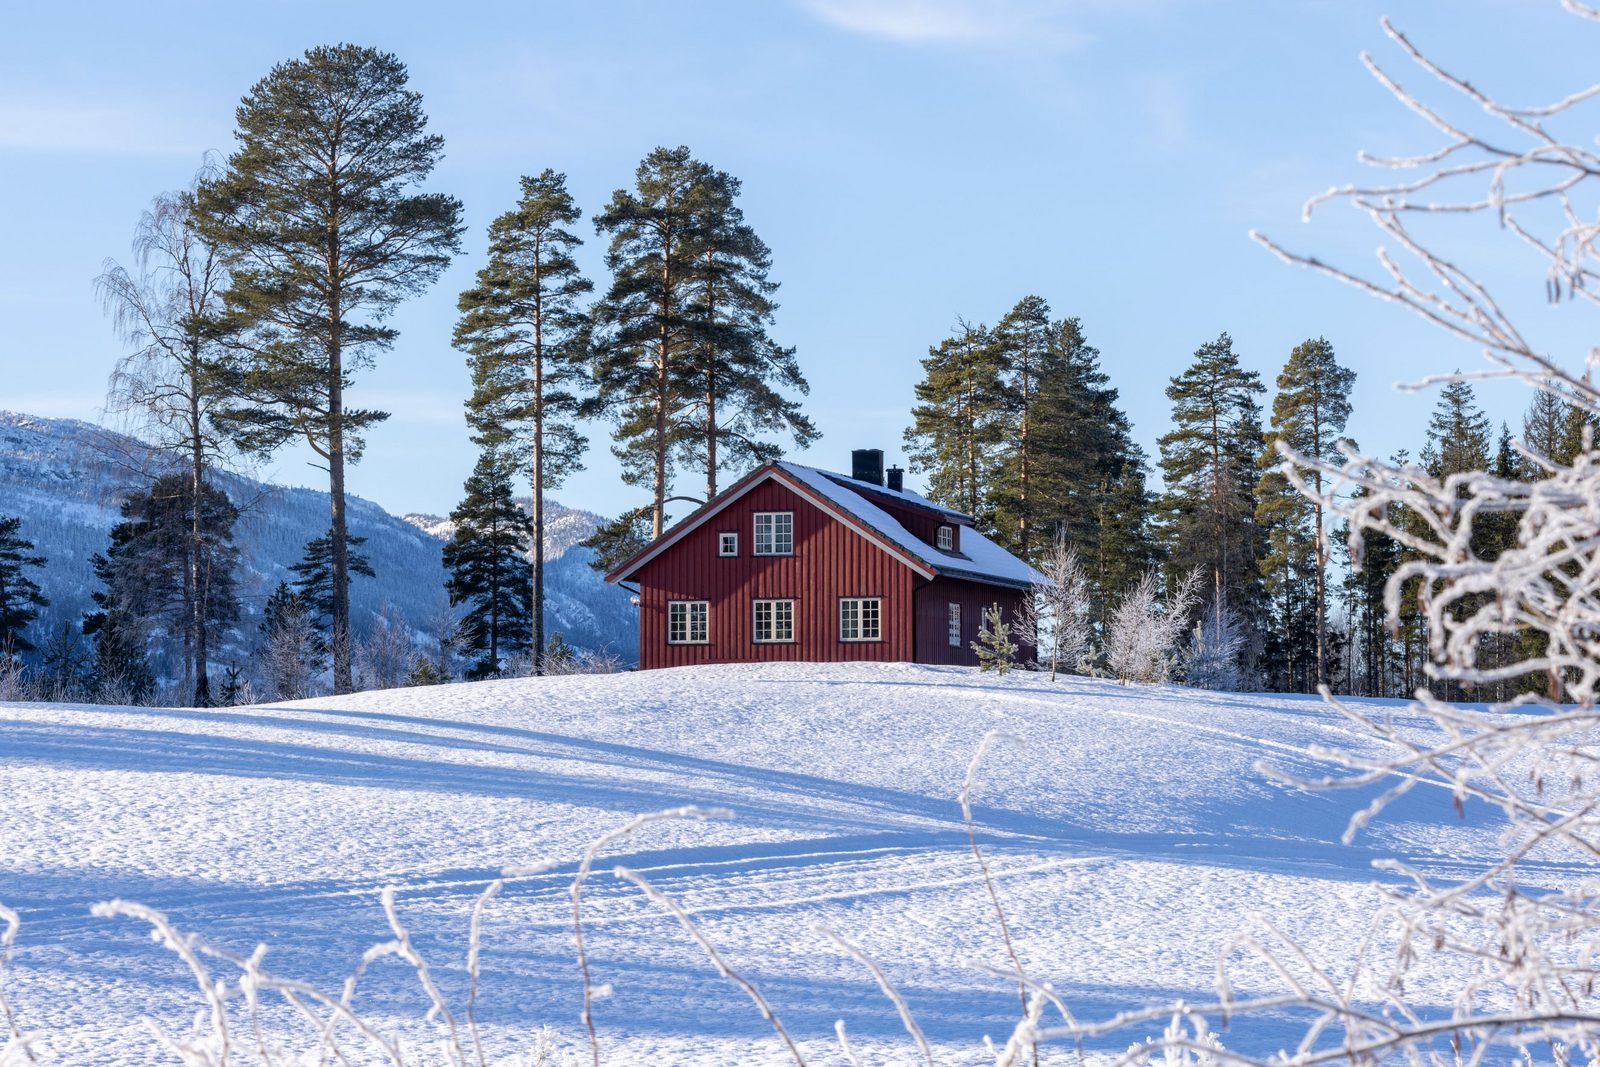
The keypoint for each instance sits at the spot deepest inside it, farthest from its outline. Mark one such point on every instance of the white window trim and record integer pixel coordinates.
(688, 622)
(755, 628)
(755, 536)
(861, 602)
(722, 543)
(945, 539)
(953, 615)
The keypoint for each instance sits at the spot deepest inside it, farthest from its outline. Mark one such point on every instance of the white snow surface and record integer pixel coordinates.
(1130, 834)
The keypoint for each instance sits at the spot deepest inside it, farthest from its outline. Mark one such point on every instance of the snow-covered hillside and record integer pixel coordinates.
(65, 479)
(1130, 834)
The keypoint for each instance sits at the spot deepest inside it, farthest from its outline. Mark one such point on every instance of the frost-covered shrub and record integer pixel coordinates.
(1212, 659)
(1142, 638)
(1054, 618)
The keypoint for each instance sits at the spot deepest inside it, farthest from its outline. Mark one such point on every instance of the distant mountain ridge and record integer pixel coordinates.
(66, 478)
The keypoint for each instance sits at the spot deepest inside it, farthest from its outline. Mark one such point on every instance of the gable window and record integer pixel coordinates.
(727, 544)
(774, 621)
(860, 619)
(687, 622)
(774, 533)
(955, 625)
(946, 539)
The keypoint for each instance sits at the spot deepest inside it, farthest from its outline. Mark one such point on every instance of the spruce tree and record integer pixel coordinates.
(1308, 416)
(20, 596)
(1209, 464)
(488, 566)
(314, 582)
(524, 330)
(324, 235)
(742, 385)
(1458, 433)
(1545, 425)
(957, 425)
(169, 311)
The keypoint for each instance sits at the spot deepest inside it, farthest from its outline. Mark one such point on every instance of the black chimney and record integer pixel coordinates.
(866, 465)
(897, 479)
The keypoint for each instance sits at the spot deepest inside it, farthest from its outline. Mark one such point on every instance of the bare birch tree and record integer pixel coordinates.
(1054, 617)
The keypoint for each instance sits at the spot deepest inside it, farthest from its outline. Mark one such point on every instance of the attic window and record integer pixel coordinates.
(727, 544)
(774, 533)
(946, 540)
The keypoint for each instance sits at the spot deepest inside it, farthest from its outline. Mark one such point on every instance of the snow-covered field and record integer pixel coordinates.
(1130, 835)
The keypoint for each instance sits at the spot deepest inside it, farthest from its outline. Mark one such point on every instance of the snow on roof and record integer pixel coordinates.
(979, 559)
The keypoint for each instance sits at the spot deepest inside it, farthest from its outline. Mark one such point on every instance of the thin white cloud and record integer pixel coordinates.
(90, 127)
(1039, 24)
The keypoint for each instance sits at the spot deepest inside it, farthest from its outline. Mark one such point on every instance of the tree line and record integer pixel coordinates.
(259, 294)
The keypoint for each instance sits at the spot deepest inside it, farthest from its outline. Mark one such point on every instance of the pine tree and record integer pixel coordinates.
(648, 321)
(994, 647)
(524, 330)
(20, 596)
(169, 311)
(488, 568)
(324, 237)
(132, 579)
(1308, 416)
(741, 383)
(314, 581)
(1126, 547)
(956, 425)
(1208, 462)
(1025, 340)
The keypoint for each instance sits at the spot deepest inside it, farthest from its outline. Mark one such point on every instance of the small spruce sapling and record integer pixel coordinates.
(994, 646)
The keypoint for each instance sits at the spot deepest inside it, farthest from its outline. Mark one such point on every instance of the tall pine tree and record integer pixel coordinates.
(1308, 417)
(742, 385)
(488, 566)
(324, 236)
(1025, 343)
(957, 423)
(1208, 462)
(524, 329)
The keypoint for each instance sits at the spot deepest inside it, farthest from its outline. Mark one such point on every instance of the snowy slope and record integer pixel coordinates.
(1130, 834)
(65, 479)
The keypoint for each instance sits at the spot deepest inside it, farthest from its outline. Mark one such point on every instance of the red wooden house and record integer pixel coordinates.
(796, 563)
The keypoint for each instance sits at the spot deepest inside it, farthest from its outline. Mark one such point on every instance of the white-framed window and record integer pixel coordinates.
(860, 618)
(955, 625)
(945, 538)
(774, 533)
(774, 621)
(727, 543)
(688, 622)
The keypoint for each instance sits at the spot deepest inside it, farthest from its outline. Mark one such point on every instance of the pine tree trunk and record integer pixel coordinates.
(1022, 449)
(198, 604)
(711, 383)
(658, 520)
(537, 547)
(343, 679)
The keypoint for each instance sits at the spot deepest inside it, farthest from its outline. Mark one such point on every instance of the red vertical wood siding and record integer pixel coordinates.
(830, 561)
(932, 607)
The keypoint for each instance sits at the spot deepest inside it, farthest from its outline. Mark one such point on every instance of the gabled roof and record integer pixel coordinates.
(980, 559)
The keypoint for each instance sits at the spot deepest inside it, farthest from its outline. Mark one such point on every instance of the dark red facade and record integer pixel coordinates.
(832, 558)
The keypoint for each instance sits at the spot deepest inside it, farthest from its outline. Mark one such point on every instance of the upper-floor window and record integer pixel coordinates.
(687, 622)
(955, 625)
(945, 538)
(860, 618)
(727, 544)
(774, 620)
(774, 533)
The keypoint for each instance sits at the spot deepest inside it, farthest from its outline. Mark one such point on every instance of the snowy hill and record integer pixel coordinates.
(1129, 834)
(65, 479)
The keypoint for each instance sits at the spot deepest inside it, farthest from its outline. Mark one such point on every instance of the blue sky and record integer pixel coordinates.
(908, 161)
